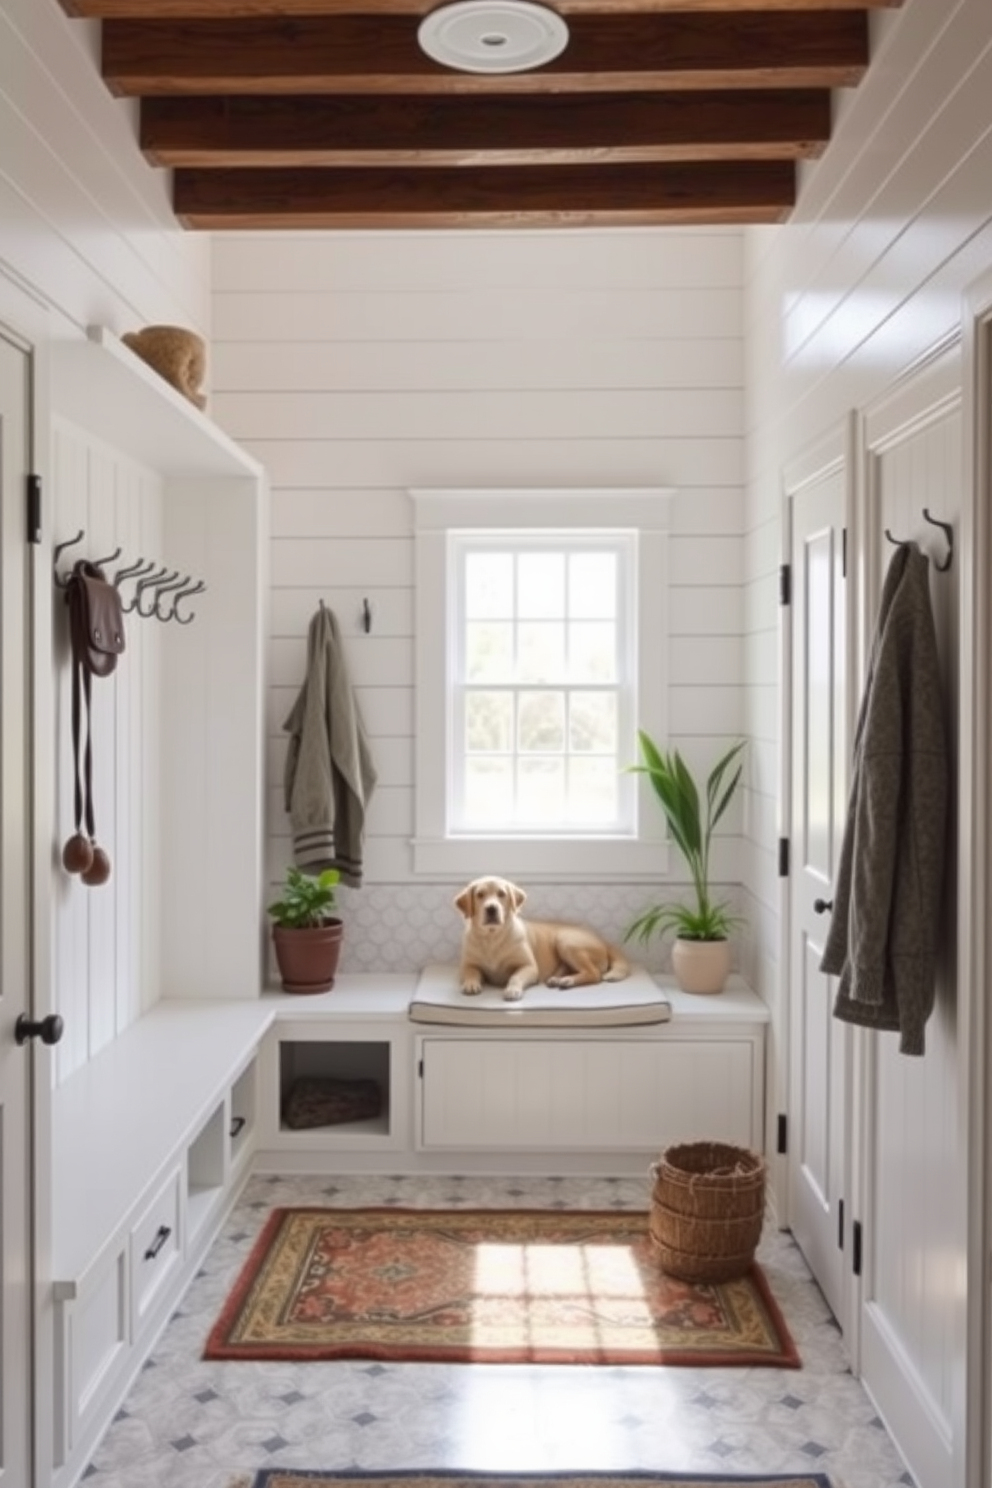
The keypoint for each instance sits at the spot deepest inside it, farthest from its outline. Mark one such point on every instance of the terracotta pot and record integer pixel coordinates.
(701, 965)
(308, 959)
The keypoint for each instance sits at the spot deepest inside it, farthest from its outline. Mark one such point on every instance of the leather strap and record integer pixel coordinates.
(96, 637)
(83, 765)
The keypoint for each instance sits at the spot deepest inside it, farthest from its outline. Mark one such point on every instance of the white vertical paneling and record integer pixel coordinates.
(592, 1094)
(915, 460)
(71, 951)
(102, 902)
(105, 937)
(211, 730)
(357, 366)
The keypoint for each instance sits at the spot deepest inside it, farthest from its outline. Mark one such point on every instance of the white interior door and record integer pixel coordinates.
(16, 1357)
(820, 1060)
(914, 1147)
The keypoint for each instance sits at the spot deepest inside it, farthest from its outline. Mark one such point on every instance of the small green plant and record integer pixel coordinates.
(691, 820)
(307, 900)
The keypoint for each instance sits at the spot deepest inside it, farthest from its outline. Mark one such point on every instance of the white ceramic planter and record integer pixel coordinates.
(701, 965)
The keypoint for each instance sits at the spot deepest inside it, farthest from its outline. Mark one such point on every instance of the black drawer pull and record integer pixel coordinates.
(821, 906)
(163, 1234)
(238, 1125)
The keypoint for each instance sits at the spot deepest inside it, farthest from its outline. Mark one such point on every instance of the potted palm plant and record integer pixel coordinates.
(701, 950)
(306, 933)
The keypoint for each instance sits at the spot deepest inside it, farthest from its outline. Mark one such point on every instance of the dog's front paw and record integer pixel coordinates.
(512, 993)
(561, 982)
(471, 988)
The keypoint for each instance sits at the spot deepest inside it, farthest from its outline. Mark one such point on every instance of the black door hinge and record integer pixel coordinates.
(785, 584)
(856, 1247)
(782, 1144)
(783, 857)
(843, 552)
(34, 508)
(420, 1068)
(840, 1224)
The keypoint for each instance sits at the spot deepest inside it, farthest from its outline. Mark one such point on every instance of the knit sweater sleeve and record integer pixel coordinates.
(873, 872)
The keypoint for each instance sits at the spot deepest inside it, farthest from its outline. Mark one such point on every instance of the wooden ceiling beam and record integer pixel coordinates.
(553, 128)
(148, 10)
(380, 54)
(540, 196)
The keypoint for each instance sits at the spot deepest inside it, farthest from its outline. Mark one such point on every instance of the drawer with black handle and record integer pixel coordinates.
(156, 1247)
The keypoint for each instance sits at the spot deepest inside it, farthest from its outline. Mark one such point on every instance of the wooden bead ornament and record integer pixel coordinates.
(77, 855)
(99, 870)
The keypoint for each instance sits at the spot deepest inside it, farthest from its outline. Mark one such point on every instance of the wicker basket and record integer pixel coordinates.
(707, 1209)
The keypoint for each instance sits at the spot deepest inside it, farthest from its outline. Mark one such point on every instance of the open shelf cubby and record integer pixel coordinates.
(338, 1060)
(205, 1170)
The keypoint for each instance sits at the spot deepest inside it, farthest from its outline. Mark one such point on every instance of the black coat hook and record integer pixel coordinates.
(59, 550)
(110, 558)
(948, 531)
(198, 588)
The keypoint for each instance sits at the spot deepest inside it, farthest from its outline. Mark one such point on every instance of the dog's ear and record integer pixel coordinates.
(517, 896)
(463, 901)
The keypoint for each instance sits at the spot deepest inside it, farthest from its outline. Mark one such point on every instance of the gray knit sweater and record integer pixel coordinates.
(887, 899)
(329, 774)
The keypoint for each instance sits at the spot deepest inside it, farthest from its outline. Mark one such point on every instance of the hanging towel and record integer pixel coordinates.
(329, 772)
(887, 900)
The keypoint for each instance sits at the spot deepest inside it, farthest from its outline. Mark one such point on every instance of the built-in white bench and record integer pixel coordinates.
(154, 1137)
(513, 1098)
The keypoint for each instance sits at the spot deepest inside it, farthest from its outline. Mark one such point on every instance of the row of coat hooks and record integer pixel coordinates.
(948, 531)
(151, 581)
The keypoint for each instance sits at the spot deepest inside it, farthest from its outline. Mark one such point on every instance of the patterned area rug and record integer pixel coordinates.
(486, 1286)
(282, 1478)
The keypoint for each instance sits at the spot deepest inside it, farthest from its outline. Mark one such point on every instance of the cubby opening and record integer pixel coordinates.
(205, 1171)
(337, 1061)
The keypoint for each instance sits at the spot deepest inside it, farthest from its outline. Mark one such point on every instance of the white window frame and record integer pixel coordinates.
(641, 854)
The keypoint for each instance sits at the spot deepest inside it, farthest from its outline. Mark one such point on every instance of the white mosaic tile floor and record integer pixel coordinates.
(192, 1424)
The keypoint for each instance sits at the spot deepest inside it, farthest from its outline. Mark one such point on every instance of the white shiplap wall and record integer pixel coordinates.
(86, 228)
(893, 225)
(356, 366)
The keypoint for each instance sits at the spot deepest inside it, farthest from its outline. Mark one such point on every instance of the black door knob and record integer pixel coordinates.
(820, 906)
(49, 1029)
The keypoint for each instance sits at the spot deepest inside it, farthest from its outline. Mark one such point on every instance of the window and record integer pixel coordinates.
(541, 690)
(541, 648)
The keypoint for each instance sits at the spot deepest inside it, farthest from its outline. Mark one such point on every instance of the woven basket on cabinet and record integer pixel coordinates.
(707, 1209)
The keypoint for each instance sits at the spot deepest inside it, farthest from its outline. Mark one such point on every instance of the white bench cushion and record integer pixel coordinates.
(438, 998)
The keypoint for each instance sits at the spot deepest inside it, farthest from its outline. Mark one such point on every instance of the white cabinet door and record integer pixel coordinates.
(610, 1094)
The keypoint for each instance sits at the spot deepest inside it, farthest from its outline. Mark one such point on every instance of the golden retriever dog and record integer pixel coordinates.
(502, 948)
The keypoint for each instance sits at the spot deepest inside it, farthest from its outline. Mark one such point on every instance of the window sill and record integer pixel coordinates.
(561, 859)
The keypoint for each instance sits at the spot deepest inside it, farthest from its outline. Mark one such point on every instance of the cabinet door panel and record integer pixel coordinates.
(612, 1094)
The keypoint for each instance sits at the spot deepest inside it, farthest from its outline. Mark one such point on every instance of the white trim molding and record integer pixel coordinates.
(647, 513)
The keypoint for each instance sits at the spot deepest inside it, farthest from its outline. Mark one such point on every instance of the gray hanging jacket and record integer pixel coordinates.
(329, 775)
(883, 935)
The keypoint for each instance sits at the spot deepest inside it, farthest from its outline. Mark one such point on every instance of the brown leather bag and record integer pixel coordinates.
(96, 619)
(96, 635)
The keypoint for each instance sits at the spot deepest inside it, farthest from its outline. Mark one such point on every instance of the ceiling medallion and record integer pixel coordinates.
(493, 35)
